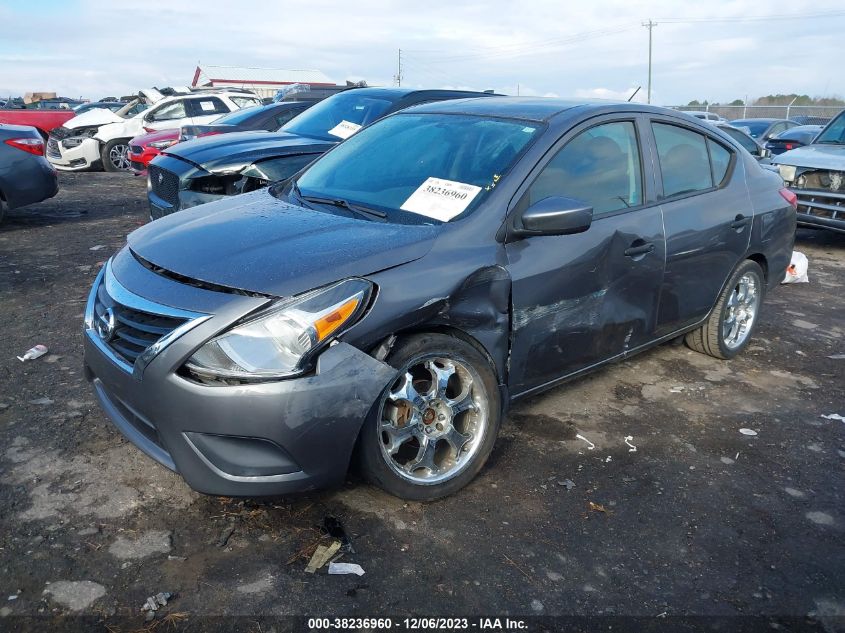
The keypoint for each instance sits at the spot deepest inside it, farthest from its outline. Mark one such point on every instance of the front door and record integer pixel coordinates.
(581, 299)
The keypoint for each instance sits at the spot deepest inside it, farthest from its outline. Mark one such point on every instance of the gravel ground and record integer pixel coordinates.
(699, 520)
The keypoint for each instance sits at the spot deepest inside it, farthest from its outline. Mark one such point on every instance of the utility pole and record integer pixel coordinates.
(399, 70)
(649, 25)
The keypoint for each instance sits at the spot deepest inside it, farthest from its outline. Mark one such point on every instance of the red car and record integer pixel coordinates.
(143, 148)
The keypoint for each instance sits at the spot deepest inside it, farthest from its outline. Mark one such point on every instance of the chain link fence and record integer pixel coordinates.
(808, 115)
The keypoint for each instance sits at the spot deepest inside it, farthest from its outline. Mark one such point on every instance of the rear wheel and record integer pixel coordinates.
(115, 155)
(734, 318)
(433, 428)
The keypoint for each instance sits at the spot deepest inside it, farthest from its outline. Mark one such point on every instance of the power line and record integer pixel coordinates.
(756, 18)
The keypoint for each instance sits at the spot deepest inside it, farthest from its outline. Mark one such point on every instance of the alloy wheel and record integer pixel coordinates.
(119, 156)
(432, 420)
(741, 311)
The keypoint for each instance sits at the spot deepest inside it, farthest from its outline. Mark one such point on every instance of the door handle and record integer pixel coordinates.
(740, 221)
(639, 248)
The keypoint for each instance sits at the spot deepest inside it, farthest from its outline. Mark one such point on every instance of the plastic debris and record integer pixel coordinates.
(156, 602)
(597, 507)
(97, 247)
(345, 568)
(322, 555)
(608, 460)
(628, 440)
(334, 528)
(567, 483)
(33, 353)
(837, 357)
(796, 272)
(834, 416)
(748, 432)
(581, 437)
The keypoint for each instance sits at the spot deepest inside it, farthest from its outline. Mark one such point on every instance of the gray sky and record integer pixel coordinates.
(94, 48)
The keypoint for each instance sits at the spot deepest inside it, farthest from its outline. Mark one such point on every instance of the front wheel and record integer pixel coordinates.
(433, 428)
(728, 329)
(115, 155)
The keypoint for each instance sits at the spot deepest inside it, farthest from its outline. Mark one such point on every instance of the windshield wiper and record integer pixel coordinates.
(343, 204)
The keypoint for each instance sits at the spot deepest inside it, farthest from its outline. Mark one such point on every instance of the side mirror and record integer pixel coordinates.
(765, 152)
(555, 215)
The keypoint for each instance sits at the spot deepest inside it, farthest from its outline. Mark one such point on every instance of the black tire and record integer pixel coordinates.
(709, 338)
(409, 353)
(2, 209)
(110, 161)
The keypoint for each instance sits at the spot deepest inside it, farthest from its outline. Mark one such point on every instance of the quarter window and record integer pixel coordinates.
(600, 166)
(720, 159)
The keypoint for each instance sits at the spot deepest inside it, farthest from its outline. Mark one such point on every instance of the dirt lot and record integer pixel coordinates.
(699, 520)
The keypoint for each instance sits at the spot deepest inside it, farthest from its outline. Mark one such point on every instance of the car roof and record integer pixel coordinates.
(531, 108)
(394, 94)
(758, 120)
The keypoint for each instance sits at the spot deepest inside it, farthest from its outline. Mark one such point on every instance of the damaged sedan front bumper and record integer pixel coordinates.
(247, 439)
(821, 196)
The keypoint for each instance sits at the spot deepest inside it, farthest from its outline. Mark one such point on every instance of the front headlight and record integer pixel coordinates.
(787, 172)
(163, 144)
(280, 341)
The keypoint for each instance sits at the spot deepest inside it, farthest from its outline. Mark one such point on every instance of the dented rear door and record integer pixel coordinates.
(580, 299)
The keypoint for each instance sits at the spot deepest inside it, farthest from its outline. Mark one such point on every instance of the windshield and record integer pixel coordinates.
(420, 168)
(834, 133)
(755, 128)
(338, 117)
(132, 108)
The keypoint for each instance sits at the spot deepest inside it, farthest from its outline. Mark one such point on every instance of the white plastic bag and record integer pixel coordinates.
(796, 272)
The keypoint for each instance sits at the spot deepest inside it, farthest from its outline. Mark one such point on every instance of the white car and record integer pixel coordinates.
(101, 137)
(710, 117)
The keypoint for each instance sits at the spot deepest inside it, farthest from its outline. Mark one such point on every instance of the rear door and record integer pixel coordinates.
(581, 299)
(707, 216)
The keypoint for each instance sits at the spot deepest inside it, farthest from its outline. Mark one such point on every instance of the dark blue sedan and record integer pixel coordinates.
(25, 175)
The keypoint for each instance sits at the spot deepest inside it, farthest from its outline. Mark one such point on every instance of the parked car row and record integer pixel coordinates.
(100, 137)
(419, 260)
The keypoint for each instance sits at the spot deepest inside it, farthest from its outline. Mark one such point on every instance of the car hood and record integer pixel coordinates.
(814, 157)
(97, 116)
(158, 135)
(258, 243)
(233, 151)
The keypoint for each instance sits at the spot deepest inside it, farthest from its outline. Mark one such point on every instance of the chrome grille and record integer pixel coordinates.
(821, 204)
(134, 331)
(165, 184)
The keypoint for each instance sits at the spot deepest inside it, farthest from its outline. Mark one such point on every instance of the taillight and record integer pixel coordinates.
(207, 134)
(790, 197)
(789, 146)
(31, 145)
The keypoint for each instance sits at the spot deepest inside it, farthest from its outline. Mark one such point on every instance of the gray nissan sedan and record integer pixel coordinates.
(388, 303)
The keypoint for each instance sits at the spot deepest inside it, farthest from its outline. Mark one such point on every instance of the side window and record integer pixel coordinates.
(170, 111)
(600, 166)
(207, 106)
(743, 139)
(683, 160)
(284, 117)
(720, 160)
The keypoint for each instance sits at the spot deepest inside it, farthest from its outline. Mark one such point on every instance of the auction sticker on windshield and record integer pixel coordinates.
(441, 199)
(344, 129)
